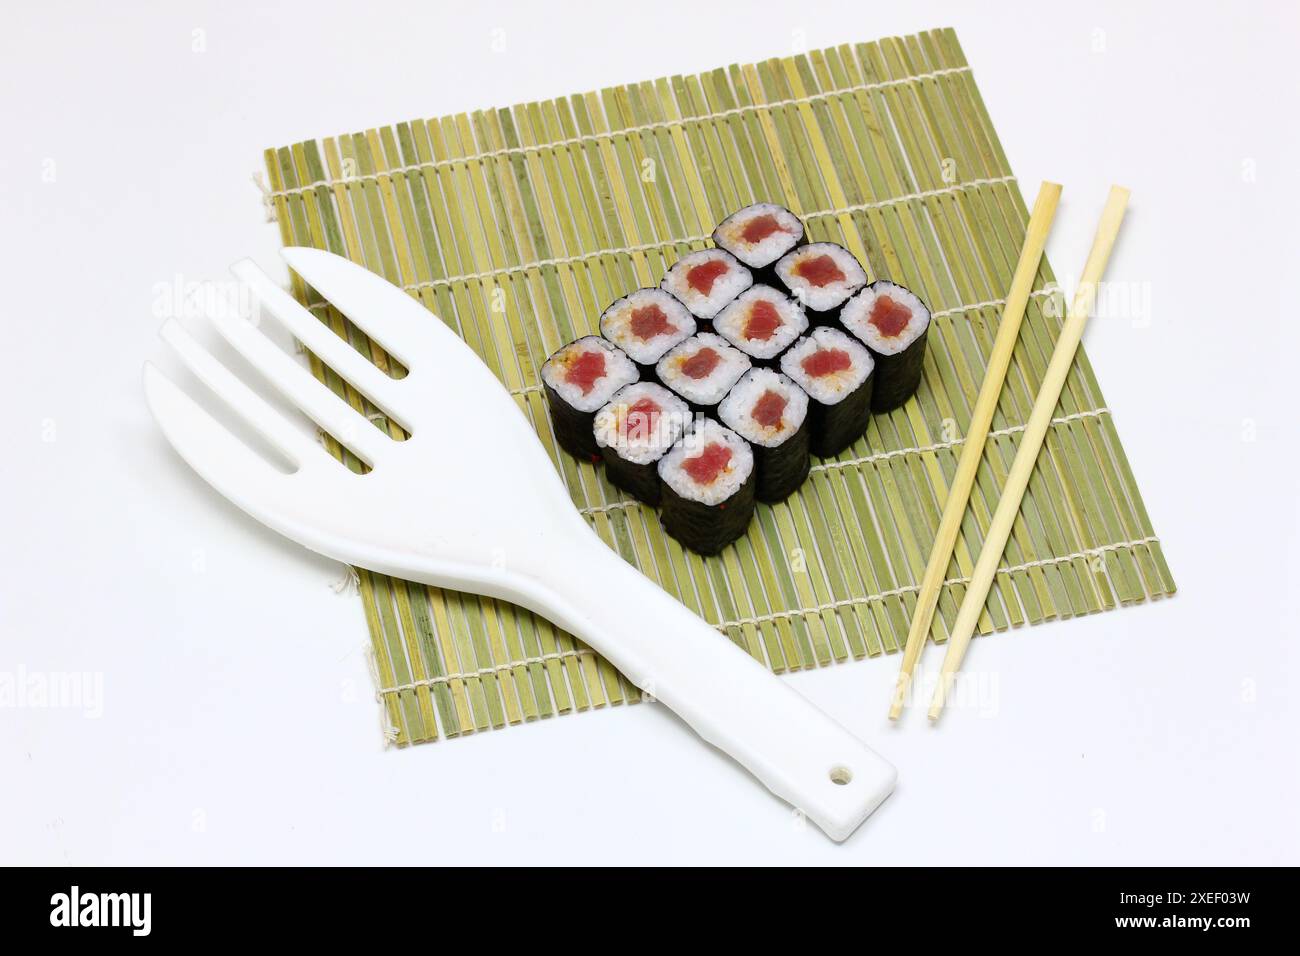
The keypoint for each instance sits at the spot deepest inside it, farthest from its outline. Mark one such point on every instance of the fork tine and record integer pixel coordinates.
(404, 327)
(321, 340)
(222, 460)
(269, 423)
(299, 386)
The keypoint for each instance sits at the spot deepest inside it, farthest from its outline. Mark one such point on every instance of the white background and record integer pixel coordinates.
(238, 724)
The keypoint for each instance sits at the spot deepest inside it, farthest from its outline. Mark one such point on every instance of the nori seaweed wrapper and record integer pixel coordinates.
(898, 376)
(707, 529)
(573, 429)
(640, 481)
(897, 370)
(782, 469)
(647, 373)
(572, 425)
(836, 427)
(824, 317)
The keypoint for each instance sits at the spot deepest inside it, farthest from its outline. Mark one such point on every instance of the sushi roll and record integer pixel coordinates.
(771, 412)
(893, 323)
(758, 235)
(762, 323)
(634, 431)
(645, 325)
(579, 378)
(821, 276)
(835, 370)
(707, 483)
(706, 281)
(702, 370)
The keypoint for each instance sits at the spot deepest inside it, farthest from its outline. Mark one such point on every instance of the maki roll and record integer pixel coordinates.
(821, 276)
(892, 322)
(645, 325)
(771, 412)
(706, 281)
(835, 370)
(634, 431)
(707, 482)
(762, 323)
(758, 235)
(702, 370)
(579, 378)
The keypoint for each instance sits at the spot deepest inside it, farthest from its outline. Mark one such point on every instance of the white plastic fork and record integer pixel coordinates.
(471, 501)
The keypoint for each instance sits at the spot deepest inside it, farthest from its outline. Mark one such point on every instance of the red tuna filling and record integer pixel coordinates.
(641, 418)
(760, 227)
(705, 467)
(586, 370)
(648, 322)
(701, 277)
(769, 409)
(764, 319)
(888, 316)
(702, 363)
(826, 362)
(818, 270)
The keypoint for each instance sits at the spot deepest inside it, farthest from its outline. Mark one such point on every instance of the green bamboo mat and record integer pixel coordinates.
(517, 226)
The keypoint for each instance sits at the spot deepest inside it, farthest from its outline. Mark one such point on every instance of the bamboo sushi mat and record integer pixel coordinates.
(517, 226)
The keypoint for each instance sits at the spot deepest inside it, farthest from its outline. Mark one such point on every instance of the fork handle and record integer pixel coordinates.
(727, 697)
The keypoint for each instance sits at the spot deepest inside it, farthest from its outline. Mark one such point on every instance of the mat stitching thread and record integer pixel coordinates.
(905, 589)
(610, 134)
(485, 671)
(762, 618)
(990, 303)
(939, 446)
(664, 244)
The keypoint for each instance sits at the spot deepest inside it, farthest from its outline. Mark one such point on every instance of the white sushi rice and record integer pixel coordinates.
(704, 432)
(732, 363)
(737, 409)
(732, 320)
(641, 438)
(824, 297)
(730, 235)
(616, 325)
(856, 317)
(725, 287)
(619, 371)
(833, 388)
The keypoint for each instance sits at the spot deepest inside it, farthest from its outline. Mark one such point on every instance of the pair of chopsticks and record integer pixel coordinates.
(1031, 442)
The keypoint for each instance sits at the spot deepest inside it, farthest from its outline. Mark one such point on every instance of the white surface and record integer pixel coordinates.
(1159, 734)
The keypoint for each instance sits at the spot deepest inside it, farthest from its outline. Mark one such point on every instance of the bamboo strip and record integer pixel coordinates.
(927, 142)
(565, 305)
(915, 126)
(831, 139)
(905, 488)
(1031, 442)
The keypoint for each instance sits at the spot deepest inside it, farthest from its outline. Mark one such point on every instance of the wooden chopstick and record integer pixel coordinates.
(1030, 443)
(1040, 223)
